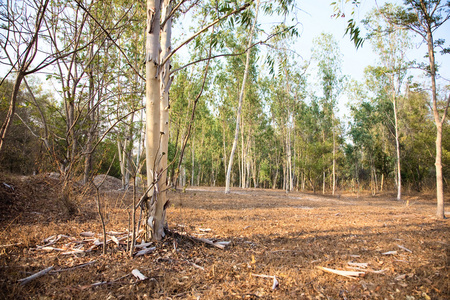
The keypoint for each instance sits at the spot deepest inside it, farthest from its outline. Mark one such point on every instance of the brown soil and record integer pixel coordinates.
(271, 233)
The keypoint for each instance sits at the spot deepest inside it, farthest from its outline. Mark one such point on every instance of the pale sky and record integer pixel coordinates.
(316, 19)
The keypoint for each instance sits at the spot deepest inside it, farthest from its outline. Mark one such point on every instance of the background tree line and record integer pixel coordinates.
(292, 134)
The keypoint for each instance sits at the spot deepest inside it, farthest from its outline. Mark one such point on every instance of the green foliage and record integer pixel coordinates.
(106, 156)
(23, 153)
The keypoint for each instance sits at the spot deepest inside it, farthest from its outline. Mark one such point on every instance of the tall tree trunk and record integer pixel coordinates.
(224, 147)
(241, 98)
(397, 145)
(166, 38)
(90, 117)
(323, 183)
(242, 178)
(334, 160)
(193, 163)
(154, 217)
(440, 213)
(439, 121)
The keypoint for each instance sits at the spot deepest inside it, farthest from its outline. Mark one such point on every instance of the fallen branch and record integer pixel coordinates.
(390, 253)
(404, 248)
(360, 265)
(220, 245)
(87, 234)
(144, 251)
(142, 245)
(75, 251)
(348, 274)
(10, 245)
(34, 276)
(48, 248)
(74, 267)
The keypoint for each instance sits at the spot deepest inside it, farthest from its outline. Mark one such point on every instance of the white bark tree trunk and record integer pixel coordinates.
(153, 114)
(440, 212)
(159, 217)
(397, 145)
(241, 98)
(334, 160)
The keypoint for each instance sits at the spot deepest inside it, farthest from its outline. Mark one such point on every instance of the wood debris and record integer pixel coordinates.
(115, 240)
(404, 248)
(275, 283)
(142, 245)
(376, 271)
(390, 253)
(204, 229)
(144, 251)
(87, 234)
(217, 244)
(195, 265)
(348, 274)
(89, 242)
(35, 275)
(360, 265)
(74, 267)
(10, 245)
(136, 273)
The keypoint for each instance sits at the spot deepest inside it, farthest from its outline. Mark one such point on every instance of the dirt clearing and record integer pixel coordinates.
(281, 247)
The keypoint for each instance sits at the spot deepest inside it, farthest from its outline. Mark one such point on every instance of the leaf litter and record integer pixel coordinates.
(272, 247)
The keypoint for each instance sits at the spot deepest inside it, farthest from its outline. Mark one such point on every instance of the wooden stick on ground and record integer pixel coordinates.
(34, 276)
(348, 274)
(74, 267)
(144, 251)
(10, 245)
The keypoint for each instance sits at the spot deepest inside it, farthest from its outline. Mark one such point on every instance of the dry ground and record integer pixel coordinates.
(271, 233)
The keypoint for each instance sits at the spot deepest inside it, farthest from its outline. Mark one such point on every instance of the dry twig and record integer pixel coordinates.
(34, 276)
(348, 274)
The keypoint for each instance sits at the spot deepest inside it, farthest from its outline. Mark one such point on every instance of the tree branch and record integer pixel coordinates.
(243, 7)
(262, 42)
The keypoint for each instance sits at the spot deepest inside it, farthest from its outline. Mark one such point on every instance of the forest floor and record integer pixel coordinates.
(279, 245)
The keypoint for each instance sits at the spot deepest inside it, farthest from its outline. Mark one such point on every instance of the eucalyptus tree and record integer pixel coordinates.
(241, 98)
(156, 207)
(424, 17)
(327, 54)
(391, 44)
(288, 88)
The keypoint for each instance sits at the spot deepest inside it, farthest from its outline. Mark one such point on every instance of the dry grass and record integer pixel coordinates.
(271, 233)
